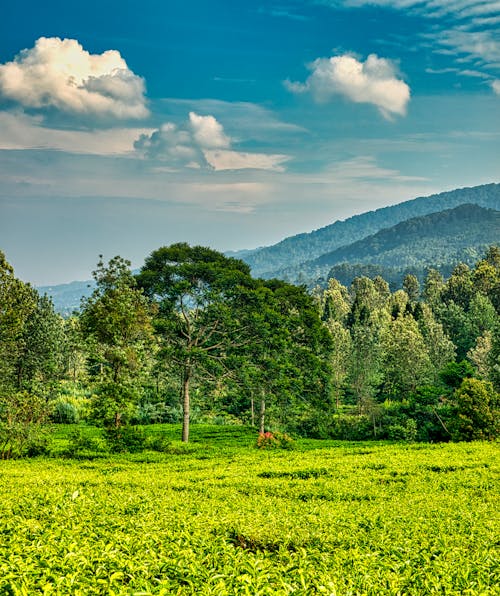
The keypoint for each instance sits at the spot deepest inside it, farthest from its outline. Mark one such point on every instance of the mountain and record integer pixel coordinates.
(270, 261)
(437, 240)
(67, 297)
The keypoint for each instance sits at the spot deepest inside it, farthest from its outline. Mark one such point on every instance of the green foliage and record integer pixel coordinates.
(81, 444)
(125, 439)
(455, 372)
(64, 412)
(23, 428)
(118, 324)
(477, 411)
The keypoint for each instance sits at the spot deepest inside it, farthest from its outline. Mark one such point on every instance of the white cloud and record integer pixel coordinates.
(234, 160)
(172, 144)
(431, 8)
(207, 132)
(22, 131)
(464, 29)
(365, 167)
(495, 85)
(202, 143)
(59, 73)
(373, 81)
(482, 45)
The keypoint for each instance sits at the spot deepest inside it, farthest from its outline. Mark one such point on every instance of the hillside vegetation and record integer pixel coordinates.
(439, 240)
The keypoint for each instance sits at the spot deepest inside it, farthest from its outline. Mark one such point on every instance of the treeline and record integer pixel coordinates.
(193, 337)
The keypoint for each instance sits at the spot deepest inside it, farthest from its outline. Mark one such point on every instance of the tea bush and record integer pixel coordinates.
(225, 518)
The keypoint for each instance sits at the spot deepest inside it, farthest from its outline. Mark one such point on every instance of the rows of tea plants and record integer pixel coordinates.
(334, 519)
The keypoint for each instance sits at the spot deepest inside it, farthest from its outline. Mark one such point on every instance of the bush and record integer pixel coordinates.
(158, 442)
(79, 443)
(351, 428)
(276, 440)
(125, 439)
(23, 425)
(403, 432)
(64, 412)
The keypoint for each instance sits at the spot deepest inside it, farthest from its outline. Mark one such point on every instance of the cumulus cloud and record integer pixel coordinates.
(373, 81)
(208, 132)
(202, 143)
(59, 73)
(495, 85)
(172, 144)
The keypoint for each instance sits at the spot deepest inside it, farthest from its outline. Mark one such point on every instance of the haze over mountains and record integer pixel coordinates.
(436, 231)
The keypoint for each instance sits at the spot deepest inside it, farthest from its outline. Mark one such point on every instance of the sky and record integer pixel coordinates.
(126, 126)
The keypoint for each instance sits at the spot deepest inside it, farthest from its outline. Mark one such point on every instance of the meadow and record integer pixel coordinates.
(219, 516)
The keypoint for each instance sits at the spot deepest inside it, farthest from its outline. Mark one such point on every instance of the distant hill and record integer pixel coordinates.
(67, 297)
(270, 261)
(437, 240)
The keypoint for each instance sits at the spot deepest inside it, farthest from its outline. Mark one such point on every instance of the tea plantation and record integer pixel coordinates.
(222, 517)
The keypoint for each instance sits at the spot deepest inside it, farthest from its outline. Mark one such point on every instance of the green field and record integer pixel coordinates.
(222, 517)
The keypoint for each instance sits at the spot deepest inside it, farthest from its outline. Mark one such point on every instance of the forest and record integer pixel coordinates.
(194, 338)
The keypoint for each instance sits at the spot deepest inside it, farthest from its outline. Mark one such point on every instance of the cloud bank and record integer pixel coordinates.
(373, 81)
(202, 143)
(59, 73)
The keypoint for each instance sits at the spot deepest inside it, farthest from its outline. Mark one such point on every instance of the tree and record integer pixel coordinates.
(433, 288)
(459, 288)
(293, 353)
(195, 288)
(439, 346)
(18, 301)
(22, 413)
(406, 362)
(41, 362)
(411, 286)
(479, 355)
(476, 414)
(117, 322)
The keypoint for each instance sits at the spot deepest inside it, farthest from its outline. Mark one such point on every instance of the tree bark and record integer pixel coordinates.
(185, 404)
(252, 411)
(262, 416)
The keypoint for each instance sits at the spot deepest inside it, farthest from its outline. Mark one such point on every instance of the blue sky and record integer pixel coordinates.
(126, 126)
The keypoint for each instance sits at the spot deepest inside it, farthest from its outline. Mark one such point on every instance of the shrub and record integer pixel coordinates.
(64, 412)
(80, 443)
(351, 428)
(403, 432)
(23, 425)
(276, 440)
(125, 439)
(158, 442)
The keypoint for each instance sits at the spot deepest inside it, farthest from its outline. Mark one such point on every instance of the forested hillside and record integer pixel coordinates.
(439, 240)
(305, 247)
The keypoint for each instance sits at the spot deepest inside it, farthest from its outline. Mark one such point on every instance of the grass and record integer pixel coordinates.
(225, 518)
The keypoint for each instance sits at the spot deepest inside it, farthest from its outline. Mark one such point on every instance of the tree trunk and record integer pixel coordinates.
(185, 404)
(262, 416)
(252, 410)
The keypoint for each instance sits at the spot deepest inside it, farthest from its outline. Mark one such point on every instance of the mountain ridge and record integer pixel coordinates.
(293, 250)
(435, 240)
